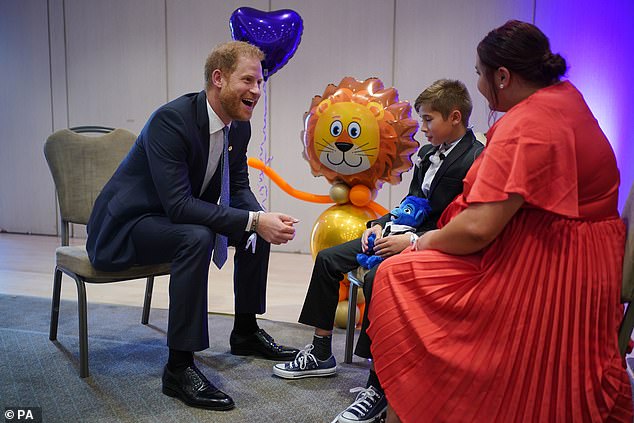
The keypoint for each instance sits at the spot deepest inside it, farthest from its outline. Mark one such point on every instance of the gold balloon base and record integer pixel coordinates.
(338, 224)
(341, 315)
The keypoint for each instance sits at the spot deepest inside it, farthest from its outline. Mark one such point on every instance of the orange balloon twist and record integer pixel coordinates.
(303, 195)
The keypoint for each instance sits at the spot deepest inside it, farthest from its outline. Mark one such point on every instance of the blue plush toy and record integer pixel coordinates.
(406, 217)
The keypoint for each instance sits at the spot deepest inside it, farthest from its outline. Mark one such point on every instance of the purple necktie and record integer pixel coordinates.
(220, 247)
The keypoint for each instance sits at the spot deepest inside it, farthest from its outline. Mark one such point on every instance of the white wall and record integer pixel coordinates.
(115, 61)
(27, 195)
(75, 62)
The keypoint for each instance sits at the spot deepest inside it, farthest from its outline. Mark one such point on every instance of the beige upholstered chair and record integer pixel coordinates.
(81, 165)
(627, 289)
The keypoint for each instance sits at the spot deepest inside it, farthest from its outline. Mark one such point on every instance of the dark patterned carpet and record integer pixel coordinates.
(126, 361)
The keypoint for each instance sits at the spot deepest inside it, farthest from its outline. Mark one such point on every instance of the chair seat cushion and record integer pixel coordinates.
(75, 260)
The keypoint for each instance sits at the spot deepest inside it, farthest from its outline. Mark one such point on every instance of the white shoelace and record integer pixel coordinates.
(366, 398)
(304, 357)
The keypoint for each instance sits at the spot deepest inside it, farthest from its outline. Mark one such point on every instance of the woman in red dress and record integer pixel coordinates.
(510, 311)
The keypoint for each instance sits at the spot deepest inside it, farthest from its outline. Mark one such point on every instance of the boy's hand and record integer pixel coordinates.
(374, 229)
(276, 228)
(391, 245)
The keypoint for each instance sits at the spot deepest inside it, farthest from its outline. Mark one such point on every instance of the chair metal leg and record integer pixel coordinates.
(149, 286)
(625, 331)
(350, 325)
(83, 327)
(57, 288)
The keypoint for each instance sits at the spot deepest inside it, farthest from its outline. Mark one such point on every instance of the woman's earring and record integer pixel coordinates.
(501, 86)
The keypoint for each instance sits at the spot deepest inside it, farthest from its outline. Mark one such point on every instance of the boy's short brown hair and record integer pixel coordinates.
(446, 95)
(225, 57)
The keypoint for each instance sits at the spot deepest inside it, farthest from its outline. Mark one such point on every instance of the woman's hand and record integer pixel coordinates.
(472, 229)
(422, 243)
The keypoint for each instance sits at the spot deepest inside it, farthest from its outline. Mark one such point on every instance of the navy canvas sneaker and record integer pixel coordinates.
(306, 365)
(369, 407)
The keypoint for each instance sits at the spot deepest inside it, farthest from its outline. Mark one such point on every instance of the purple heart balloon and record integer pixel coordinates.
(276, 33)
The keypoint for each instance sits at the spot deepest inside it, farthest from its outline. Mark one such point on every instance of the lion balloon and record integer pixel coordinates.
(360, 135)
(357, 135)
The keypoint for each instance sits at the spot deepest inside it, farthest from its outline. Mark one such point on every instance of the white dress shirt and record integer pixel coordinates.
(436, 161)
(216, 145)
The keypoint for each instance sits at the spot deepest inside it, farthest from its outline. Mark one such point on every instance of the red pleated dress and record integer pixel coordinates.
(526, 329)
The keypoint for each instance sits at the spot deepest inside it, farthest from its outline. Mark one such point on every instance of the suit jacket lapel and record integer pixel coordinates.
(419, 175)
(202, 120)
(458, 150)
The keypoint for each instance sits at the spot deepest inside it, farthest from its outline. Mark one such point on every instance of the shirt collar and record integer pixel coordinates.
(448, 146)
(215, 123)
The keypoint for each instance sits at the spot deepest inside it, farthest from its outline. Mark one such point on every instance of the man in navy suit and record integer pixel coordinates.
(166, 203)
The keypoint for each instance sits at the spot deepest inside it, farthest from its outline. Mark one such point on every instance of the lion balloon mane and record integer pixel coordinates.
(359, 133)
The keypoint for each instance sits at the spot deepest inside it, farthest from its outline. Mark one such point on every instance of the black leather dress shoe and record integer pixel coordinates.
(193, 388)
(260, 344)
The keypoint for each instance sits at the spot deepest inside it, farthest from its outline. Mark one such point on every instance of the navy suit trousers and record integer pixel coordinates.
(188, 247)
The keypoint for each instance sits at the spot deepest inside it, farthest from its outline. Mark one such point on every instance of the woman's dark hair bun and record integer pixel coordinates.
(554, 66)
(524, 49)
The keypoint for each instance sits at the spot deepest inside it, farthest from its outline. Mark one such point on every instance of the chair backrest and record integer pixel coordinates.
(627, 289)
(480, 136)
(81, 165)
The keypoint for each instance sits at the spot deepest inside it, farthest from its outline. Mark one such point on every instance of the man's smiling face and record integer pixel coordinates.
(240, 90)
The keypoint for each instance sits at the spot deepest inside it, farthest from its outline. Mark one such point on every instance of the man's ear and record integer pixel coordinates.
(217, 78)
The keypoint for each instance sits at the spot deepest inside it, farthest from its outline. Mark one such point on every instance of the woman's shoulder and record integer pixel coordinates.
(534, 120)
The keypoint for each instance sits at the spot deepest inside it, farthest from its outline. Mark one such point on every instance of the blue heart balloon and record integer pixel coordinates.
(276, 33)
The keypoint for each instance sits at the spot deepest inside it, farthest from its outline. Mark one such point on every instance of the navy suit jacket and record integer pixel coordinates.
(162, 175)
(447, 182)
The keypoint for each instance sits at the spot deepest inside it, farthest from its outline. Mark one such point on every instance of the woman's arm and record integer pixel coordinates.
(473, 229)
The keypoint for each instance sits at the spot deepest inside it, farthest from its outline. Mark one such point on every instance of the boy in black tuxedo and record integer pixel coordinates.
(441, 165)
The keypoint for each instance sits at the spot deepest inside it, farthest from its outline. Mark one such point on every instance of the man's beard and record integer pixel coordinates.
(233, 106)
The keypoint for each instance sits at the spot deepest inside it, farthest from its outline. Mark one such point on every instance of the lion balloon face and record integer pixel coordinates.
(347, 137)
(358, 133)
